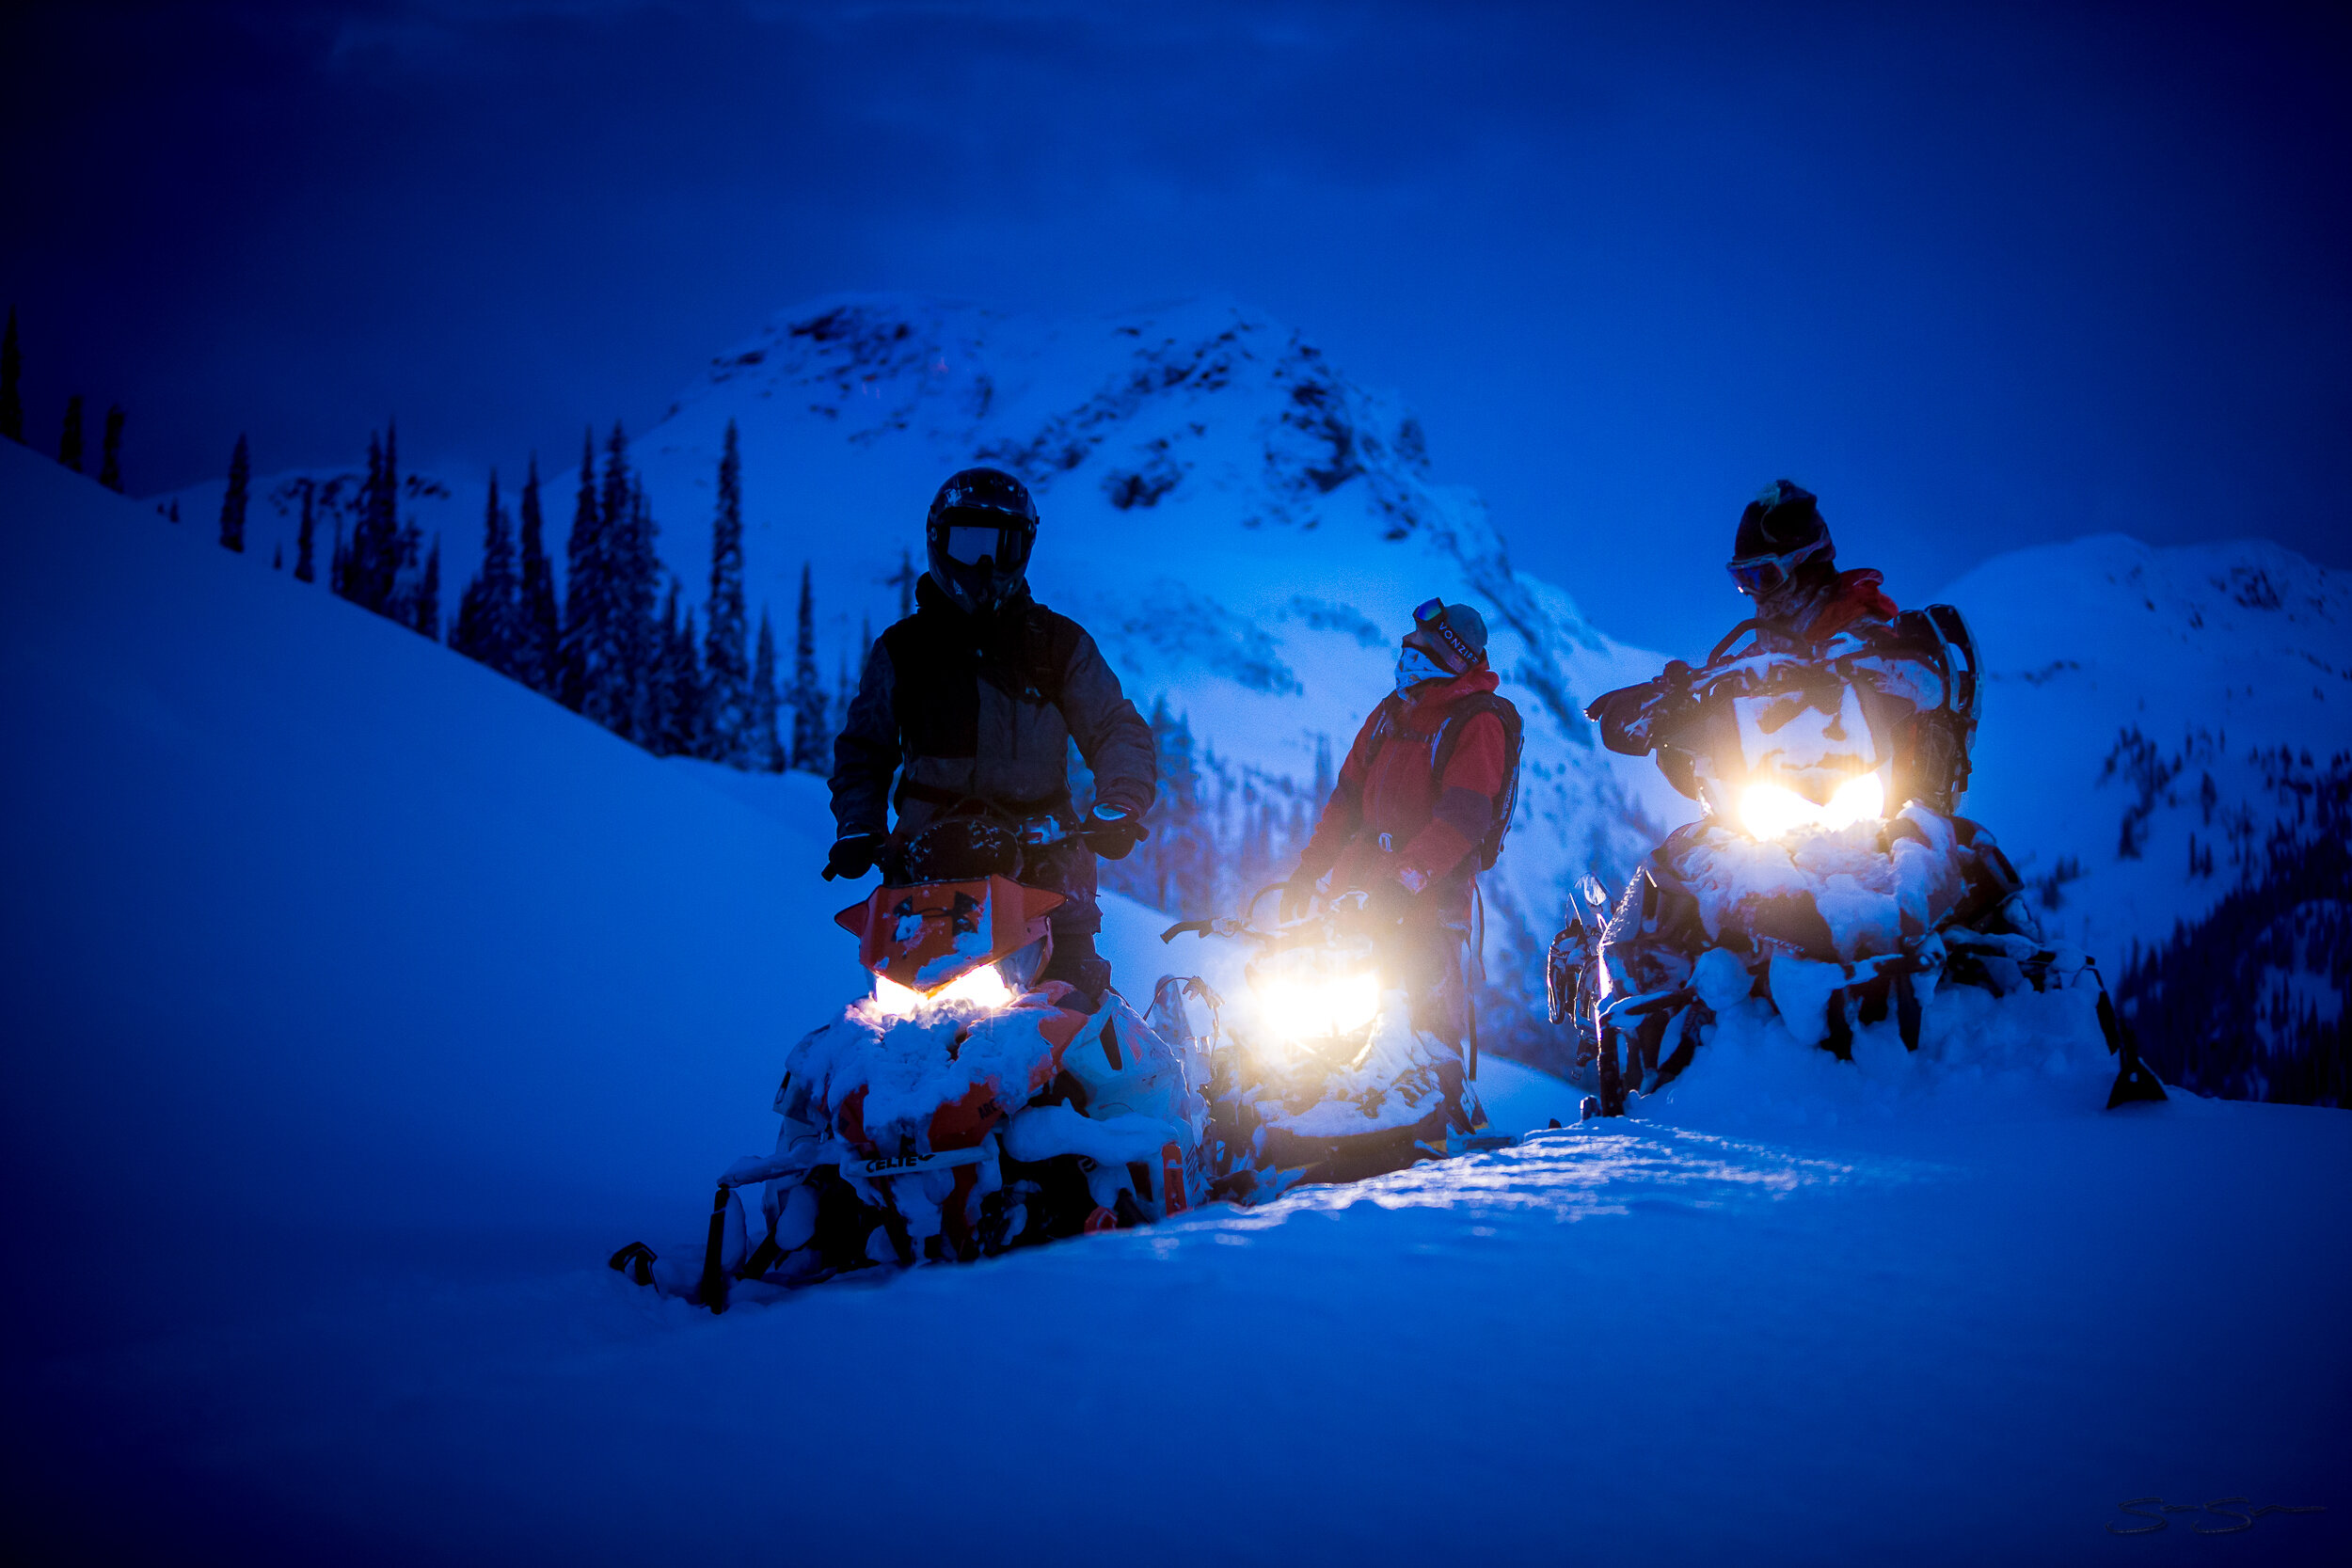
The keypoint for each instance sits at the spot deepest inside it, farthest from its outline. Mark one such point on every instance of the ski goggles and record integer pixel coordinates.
(1759, 575)
(1437, 636)
(971, 535)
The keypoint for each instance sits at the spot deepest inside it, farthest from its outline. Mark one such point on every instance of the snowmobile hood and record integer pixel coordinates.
(931, 934)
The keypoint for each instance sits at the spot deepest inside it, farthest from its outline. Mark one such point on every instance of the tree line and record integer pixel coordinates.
(70, 448)
(617, 645)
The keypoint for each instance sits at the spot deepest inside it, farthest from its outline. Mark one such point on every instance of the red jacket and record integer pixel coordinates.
(1389, 814)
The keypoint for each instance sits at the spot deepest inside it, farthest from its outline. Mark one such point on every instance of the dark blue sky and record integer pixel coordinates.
(1981, 275)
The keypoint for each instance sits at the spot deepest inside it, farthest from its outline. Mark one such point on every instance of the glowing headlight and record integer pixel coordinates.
(1316, 1009)
(981, 988)
(1769, 810)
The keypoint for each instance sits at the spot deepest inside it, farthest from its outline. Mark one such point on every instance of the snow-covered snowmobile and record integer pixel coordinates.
(1318, 1074)
(964, 1107)
(1798, 885)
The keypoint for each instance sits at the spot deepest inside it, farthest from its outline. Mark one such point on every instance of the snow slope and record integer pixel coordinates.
(2212, 654)
(1242, 528)
(358, 1002)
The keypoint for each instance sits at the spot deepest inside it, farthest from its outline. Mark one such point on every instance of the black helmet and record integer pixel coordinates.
(1780, 530)
(982, 523)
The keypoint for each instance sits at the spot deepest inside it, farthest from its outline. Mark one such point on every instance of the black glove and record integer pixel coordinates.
(1389, 901)
(1113, 832)
(1298, 894)
(852, 855)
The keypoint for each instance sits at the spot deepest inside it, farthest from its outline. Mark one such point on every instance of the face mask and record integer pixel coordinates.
(1414, 667)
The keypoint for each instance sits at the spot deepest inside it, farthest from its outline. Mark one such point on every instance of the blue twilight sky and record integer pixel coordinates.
(1983, 275)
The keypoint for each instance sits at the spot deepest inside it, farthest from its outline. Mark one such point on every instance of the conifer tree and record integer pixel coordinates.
(428, 601)
(368, 562)
(11, 384)
(610, 630)
(767, 745)
(232, 500)
(584, 581)
(637, 642)
(70, 437)
(537, 626)
(904, 579)
(726, 664)
(278, 558)
(489, 612)
(810, 740)
(110, 452)
(171, 513)
(678, 687)
(305, 536)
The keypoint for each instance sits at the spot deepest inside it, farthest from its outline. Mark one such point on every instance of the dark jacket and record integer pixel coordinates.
(985, 707)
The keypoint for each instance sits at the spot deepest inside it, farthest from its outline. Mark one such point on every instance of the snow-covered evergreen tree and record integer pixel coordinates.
(110, 452)
(306, 535)
(584, 583)
(232, 500)
(768, 755)
(425, 614)
(70, 434)
(612, 635)
(368, 561)
(726, 660)
(538, 628)
(489, 613)
(677, 686)
(812, 742)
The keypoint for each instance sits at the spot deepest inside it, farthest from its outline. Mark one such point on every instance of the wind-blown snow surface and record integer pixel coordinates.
(358, 1002)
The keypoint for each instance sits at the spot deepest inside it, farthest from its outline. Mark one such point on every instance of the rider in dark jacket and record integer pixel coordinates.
(971, 704)
(1783, 558)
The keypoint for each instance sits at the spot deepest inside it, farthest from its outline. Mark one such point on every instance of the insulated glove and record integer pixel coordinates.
(852, 855)
(1298, 894)
(1112, 831)
(1389, 901)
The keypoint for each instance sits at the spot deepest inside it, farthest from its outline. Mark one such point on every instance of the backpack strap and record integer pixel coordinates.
(1449, 736)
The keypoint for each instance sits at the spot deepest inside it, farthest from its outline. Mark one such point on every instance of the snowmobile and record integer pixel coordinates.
(1320, 1075)
(963, 1108)
(1798, 885)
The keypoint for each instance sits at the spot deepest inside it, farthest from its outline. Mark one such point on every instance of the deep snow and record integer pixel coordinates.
(359, 1002)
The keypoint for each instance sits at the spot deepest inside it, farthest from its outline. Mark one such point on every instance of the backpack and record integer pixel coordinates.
(1449, 736)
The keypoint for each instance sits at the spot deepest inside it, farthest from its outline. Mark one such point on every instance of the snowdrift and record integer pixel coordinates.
(311, 919)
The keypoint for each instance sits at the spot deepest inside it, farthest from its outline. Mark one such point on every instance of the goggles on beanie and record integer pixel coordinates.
(1759, 575)
(1430, 623)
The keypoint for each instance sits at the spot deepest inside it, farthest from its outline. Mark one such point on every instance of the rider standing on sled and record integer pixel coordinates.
(972, 703)
(1420, 809)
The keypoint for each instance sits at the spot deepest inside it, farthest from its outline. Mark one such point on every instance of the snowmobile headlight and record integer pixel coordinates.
(1770, 810)
(1302, 1010)
(982, 987)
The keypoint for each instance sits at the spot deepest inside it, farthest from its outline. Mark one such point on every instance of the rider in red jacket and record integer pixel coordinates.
(1417, 807)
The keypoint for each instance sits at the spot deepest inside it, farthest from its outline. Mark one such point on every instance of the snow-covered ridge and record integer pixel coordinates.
(2153, 715)
(1242, 528)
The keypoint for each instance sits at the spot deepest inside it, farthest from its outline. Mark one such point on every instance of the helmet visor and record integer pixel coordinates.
(970, 534)
(971, 545)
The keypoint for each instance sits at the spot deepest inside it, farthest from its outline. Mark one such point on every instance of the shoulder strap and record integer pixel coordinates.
(1449, 736)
